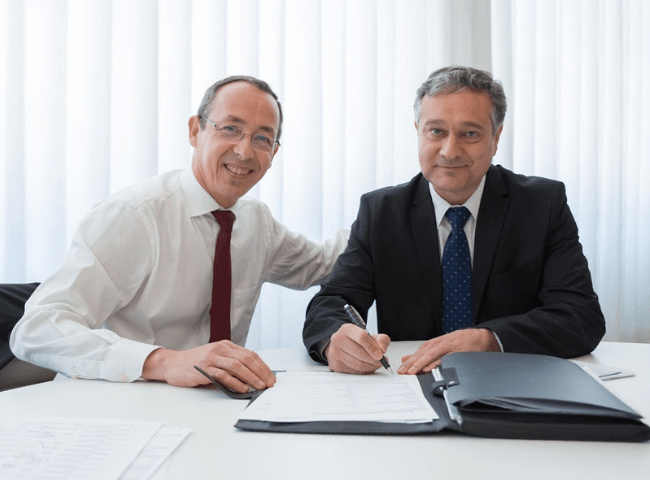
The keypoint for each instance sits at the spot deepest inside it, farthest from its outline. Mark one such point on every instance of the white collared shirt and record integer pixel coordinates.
(138, 276)
(444, 227)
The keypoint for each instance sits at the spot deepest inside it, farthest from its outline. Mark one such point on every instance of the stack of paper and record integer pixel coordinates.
(304, 396)
(82, 448)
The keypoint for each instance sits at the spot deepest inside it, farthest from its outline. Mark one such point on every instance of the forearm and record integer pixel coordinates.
(560, 330)
(77, 351)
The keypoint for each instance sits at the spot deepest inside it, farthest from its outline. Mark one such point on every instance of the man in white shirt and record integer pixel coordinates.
(133, 296)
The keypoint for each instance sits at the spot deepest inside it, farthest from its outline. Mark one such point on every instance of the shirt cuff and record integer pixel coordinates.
(498, 340)
(125, 360)
(317, 351)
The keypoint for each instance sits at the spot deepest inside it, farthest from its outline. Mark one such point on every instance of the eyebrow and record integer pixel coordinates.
(241, 121)
(433, 123)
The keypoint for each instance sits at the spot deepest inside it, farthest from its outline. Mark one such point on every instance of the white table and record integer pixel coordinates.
(216, 449)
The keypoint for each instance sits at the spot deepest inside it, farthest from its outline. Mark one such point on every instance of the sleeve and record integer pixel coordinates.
(351, 281)
(297, 262)
(568, 321)
(110, 256)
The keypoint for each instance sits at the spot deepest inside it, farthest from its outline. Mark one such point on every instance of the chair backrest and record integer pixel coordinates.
(12, 306)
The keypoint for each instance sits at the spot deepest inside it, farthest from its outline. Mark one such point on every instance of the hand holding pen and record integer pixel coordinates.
(352, 350)
(358, 321)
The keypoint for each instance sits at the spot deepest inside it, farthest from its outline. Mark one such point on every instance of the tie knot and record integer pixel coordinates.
(225, 219)
(457, 217)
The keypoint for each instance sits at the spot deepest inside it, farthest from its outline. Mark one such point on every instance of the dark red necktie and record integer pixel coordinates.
(222, 279)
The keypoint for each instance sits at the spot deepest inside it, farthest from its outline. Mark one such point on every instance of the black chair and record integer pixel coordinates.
(13, 372)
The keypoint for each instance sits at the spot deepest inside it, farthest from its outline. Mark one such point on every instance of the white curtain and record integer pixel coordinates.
(576, 74)
(95, 95)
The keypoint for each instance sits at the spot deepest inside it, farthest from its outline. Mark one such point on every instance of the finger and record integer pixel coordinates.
(409, 360)
(345, 355)
(428, 358)
(256, 365)
(237, 365)
(252, 363)
(356, 342)
(361, 337)
(227, 380)
(382, 341)
(344, 362)
(406, 357)
(418, 359)
(431, 366)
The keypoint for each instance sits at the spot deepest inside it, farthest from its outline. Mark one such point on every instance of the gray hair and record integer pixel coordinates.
(454, 79)
(206, 104)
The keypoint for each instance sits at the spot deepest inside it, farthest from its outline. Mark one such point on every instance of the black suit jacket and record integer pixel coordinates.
(531, 282)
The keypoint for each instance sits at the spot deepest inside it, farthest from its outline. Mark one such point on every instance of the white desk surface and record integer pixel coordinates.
(215, 449)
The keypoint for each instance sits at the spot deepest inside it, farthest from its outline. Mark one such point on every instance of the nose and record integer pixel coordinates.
(451, 147)
(244, 147)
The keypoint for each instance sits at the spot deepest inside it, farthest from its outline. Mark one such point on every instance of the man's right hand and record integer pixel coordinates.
(352, 350)
(231, 365)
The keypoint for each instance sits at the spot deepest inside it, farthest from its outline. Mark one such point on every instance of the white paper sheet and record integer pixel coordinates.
(159, 449)
(302, 396)
(70, 448)
(604, 372)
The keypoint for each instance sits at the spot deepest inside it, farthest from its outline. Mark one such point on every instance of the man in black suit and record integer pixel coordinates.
(531, 289)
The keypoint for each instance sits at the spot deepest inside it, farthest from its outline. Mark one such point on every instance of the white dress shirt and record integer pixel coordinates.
(473, 203)
(444, 226)
(138, 276)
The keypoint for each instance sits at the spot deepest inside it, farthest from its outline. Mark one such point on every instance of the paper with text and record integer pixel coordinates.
(70, 448)
(155, 453)
(303, 396)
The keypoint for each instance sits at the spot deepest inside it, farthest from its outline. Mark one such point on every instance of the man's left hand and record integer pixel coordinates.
(428, 356)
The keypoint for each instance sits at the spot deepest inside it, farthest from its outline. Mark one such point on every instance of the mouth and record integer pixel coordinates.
(237, 170)
(452, 166)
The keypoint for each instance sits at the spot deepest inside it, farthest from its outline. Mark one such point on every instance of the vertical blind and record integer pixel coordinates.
(96, 95)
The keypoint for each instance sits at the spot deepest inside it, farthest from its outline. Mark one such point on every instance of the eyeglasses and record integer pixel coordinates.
(234, 134)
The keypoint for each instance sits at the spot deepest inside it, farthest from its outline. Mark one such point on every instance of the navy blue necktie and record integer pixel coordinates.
(456, 275)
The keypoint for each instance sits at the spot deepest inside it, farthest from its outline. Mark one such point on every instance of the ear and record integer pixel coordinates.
(194, 126)
(416, 126)
(496, 140)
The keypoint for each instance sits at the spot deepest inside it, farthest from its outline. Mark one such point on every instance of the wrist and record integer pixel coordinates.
(155, 365)
(490, 342)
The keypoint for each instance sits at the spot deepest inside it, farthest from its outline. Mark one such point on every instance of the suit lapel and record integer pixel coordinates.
(492, 213)
(422, 218)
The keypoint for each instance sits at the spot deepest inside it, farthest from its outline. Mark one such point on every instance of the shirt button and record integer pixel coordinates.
(123, 378)
(76, 377)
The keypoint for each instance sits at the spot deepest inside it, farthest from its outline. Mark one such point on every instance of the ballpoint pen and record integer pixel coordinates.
(358, 321)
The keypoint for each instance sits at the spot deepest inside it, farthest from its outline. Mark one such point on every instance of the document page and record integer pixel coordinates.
(155, 453)
(70, 448)
(305, 396)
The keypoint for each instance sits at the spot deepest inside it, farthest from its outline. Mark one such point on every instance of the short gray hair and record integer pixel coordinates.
(454, 79)
(206, 104)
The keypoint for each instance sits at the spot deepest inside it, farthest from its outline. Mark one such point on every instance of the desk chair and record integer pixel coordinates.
(13, 372)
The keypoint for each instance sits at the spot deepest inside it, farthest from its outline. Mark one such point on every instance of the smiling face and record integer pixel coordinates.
(456, 143)
(228, 170)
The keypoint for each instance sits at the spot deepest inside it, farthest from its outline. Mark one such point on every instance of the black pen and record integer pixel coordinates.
(358, 321)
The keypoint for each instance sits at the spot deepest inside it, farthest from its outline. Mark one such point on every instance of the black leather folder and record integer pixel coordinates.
(503, 395)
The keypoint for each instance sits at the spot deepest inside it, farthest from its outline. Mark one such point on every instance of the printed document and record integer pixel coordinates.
(306, 396)
(84, 448)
